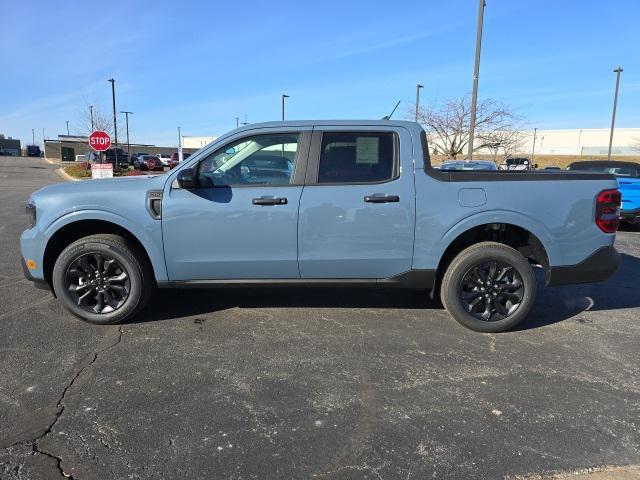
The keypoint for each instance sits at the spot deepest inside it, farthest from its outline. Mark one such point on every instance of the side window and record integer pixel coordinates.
(357, 157)
(257, 160)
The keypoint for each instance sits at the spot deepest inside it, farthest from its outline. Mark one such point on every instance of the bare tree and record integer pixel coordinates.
(447, 124)
(100, 121)
(507, 142)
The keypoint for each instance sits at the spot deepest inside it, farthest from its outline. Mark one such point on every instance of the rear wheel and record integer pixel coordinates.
(100, 279)
(489, 287)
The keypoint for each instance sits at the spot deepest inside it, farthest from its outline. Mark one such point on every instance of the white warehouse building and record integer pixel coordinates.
(586, 141)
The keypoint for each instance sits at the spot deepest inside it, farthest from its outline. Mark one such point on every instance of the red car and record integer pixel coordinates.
(175, 159)
(148, 162)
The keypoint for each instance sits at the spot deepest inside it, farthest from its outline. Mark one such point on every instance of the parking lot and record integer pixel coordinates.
(311, 383)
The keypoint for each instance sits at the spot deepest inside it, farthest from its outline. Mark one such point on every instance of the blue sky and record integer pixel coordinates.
(200, 64)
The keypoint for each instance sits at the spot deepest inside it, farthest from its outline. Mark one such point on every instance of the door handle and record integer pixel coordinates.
(269, 201)
(382, 198)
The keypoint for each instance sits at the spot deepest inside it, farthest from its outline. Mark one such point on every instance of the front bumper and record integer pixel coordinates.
(37, 282)
(597, 267)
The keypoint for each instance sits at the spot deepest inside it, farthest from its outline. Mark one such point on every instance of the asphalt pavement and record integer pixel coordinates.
(311, 383)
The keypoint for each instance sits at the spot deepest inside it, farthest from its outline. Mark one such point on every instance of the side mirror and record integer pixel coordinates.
(186, 179)
(535, 165)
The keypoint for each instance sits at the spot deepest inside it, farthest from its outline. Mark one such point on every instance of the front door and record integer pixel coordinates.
(240, 221)
(357, 209)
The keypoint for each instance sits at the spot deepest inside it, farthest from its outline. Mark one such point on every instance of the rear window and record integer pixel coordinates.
(618, 170)
(357, 157)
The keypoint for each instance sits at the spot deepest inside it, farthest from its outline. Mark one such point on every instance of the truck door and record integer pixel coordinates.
(240, 220)
(357, 209)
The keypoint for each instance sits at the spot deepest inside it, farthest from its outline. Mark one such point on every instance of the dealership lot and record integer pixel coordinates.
(294, 383)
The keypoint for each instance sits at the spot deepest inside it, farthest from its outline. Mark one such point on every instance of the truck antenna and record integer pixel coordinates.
(388, 117)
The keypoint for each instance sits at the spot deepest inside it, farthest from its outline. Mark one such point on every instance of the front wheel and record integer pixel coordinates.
(489, 287)
(100, 279)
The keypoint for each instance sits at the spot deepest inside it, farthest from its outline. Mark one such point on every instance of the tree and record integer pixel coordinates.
(448, 123)
(100, 121)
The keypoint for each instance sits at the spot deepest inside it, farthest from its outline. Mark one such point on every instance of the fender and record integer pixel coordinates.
(150, 238)
(502, 216)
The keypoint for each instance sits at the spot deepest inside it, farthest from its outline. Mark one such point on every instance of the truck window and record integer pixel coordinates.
(257, 160)
(357, 157)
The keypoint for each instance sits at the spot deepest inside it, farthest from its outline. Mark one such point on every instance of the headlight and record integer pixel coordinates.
(31, 213)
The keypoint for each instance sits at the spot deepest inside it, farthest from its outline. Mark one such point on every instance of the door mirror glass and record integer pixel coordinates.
(186, 179)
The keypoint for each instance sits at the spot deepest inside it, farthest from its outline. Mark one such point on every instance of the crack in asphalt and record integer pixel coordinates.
(60, 406)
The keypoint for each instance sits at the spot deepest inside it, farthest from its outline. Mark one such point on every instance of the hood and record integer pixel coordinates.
(111, 185)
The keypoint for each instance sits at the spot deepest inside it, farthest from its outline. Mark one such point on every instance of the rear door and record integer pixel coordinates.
(357, 209)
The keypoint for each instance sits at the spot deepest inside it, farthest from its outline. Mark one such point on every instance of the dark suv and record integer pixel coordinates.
(118, 157)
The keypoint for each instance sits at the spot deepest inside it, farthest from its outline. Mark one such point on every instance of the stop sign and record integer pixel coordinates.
(99, 141)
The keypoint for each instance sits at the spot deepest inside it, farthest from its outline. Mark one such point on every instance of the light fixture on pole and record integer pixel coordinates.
(115, 123)
(418, 87)
(617, 71)
(533, 152)
(126, 121)
(476, 74)
(283, 97)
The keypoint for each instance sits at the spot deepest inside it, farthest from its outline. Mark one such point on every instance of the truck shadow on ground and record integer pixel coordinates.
(553, 304)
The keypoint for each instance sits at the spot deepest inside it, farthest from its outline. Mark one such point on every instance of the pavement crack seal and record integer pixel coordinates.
(60, 406)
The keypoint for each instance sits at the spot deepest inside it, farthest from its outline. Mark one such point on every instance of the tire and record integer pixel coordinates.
(125, 286)
(507, 297)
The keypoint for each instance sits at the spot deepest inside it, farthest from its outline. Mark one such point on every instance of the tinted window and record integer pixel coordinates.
(256, 160)
(349, 157)
(624, 170)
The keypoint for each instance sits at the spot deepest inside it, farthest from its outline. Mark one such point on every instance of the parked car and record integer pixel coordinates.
(484, 165)
(134, 157)
(628, 175)
(117, 157)
(517, 164)
(175, 159)
(33, 151)
(165, 158)
(362, 206)
(148, 162)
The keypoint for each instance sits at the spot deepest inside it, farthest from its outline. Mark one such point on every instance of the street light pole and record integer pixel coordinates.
(67, 127)
(283, 97)
(476, 74)
(533, 152)
(237, 122)
(33, 136)
(91, 110)
(418, 87)
(126, 121)
(115, 124)
(179, 146)
(617, 71)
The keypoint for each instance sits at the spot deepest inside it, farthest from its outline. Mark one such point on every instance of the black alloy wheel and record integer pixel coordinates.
(492, 290)
(97, 283)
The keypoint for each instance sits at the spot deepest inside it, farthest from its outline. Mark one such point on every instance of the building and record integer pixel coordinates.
(196, 142)
(585, 141)
(10, 145)
(69, 148)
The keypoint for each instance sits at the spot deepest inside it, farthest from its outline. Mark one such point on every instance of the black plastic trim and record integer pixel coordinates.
(37, 282)
(412, 279)
(597, 267)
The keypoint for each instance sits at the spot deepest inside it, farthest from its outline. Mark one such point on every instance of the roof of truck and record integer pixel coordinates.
(333, 123)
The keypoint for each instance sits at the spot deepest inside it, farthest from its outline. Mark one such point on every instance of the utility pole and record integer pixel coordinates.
(617, 71)
(33, 136)
(115, 124)
(67, 127)
(43, 137)
(476, 74)
(418, 87)
(245, 121)
(91, 110)
(283, 97)
(179, 146)
(533, 152)
(237, 122)
(126, 121)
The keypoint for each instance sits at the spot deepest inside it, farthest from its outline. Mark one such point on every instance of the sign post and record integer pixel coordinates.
(100, 142)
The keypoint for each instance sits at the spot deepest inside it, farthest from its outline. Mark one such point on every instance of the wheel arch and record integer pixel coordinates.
(73, 230)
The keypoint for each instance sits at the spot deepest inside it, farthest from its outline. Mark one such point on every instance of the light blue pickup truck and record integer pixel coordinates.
(340, 203)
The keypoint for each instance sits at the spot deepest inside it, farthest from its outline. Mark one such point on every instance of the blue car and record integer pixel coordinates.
(628, 175)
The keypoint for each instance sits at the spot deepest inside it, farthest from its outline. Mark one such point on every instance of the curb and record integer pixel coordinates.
(66, 176)
(53, 162)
